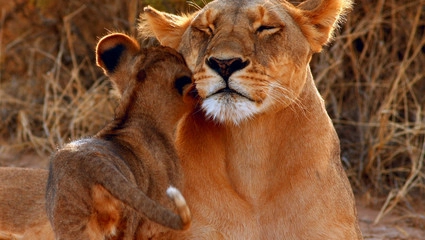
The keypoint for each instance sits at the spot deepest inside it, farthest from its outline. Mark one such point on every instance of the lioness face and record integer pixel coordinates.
(246, 58)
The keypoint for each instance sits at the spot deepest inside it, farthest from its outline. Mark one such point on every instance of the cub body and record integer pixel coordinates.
(114, 184)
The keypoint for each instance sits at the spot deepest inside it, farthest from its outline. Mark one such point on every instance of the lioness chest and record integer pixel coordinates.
(234, 192)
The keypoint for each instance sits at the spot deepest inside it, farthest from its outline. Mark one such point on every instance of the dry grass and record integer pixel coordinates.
(50, 89)
(372, 78)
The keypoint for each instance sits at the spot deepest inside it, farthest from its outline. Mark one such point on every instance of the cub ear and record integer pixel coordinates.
(167, 28)
(113, 50)
(319, 18)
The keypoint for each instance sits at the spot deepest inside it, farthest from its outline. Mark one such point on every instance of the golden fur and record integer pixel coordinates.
(109, 186)
(260, 155)
(22, 212)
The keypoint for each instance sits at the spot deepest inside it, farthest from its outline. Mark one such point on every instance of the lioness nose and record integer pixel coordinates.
(226, 67)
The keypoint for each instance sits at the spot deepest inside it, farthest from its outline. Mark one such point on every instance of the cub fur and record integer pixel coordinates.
(110, 184)
(260, 155)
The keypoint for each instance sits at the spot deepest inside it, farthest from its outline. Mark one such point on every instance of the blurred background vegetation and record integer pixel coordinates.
(372, 78)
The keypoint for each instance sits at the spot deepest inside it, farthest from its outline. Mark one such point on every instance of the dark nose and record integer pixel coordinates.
(226, 67)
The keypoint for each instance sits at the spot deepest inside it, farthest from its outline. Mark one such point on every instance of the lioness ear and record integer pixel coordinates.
(167, 28)
(112, 53)
(319, 18)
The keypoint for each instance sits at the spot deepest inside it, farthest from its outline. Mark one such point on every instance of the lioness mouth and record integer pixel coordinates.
(229, 91)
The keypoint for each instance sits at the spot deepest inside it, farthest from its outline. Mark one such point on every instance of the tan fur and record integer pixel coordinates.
(22, 211)
(260, 156)
(108, 186)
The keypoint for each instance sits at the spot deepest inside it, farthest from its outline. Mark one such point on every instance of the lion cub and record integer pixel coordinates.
(109, 185)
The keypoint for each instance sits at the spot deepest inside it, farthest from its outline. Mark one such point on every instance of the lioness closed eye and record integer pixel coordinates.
(110, 184)
(260, 155)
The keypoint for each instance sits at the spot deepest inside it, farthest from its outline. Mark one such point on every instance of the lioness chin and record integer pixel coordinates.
(260, 155)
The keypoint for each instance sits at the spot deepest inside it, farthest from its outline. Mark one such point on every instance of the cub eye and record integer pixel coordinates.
(209, 30)
(267, 29)
(181, 82)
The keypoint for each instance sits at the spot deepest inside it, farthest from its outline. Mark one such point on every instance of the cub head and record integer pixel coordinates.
(153, 81)
(248, 57)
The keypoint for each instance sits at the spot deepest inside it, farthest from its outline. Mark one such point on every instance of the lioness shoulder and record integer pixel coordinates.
(22, 205)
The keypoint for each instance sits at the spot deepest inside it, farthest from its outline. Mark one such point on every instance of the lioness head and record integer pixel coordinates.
(149, 81)
(248, 56)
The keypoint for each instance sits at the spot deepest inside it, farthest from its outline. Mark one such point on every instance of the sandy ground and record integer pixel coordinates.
(392, 227)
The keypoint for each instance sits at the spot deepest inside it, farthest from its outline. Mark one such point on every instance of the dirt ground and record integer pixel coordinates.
(392, 227)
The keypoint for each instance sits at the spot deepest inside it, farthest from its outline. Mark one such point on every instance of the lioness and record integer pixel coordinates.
(22, 212)
(260, 156)
(106, 186)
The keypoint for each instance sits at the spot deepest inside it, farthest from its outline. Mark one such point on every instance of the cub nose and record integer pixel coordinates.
(226, 67)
